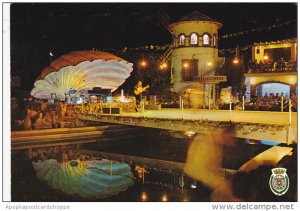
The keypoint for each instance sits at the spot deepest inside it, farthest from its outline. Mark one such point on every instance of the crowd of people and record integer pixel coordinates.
(29, 115)
(272, 102)
(272, 66)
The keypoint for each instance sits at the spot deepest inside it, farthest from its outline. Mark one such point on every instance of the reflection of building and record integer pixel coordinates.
(195, 58)
(273, 68)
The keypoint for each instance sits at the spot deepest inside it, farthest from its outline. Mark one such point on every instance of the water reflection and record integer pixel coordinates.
(95, 178)
(158, 185)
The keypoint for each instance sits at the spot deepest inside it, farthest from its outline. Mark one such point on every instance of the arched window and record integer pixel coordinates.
(205, 39)
(182, 40)
(215, 40)
(194, 39)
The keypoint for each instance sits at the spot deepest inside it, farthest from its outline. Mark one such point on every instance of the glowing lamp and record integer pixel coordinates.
(235, 61)
(266, 57)
(185, 65)
(144, 196)
(143, 63)
(164, 198)
(209, 64)
(193, 186)
(163, 66)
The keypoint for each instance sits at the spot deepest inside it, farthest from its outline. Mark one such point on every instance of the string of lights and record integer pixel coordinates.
(259, 29)
(225, 36)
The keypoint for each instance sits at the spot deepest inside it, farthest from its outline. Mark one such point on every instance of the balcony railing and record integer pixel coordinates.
(272, 67)
(211, 79)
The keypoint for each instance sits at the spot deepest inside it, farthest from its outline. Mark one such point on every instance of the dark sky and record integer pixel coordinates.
(37, 29)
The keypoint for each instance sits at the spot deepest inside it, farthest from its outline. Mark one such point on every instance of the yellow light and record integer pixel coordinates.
(209, 64)
(235, 61)
(143, 63)
(189, 133)
(266, 57)
(144, 196)
(185, 65)
(164, 198)
(292, 80)
(163, 66)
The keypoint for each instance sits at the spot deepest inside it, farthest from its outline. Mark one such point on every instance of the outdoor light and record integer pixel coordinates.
(193, 186)
(144, 196)
(143, 63)
(50, 53)
(266, 57)
(185, 65)
(235, 61)
(164, 197)
(163, 65)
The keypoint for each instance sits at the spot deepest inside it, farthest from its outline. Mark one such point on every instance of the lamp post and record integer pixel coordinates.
(230, 111)
(290, 112)
(281, 103)
(110, 101)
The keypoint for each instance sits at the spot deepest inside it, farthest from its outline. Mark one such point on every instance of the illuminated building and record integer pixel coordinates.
(81, 71)
(195, 59)
(273, 68)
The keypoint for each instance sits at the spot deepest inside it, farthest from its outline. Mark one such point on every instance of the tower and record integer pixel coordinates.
(195, 58)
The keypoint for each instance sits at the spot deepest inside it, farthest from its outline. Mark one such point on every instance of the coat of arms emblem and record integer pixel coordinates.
(279, 181)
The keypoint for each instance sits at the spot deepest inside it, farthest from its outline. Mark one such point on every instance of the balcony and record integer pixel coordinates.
(274, 67)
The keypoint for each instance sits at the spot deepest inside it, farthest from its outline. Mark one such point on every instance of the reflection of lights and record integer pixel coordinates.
(164, 197)
(189, 133)
(209, 64)
(185, 65)
(144, 196)
(266, 57)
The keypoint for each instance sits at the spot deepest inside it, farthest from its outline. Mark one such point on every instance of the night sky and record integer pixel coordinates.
(37, 29)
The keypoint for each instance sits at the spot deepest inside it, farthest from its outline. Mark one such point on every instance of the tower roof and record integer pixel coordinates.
(197, 16)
